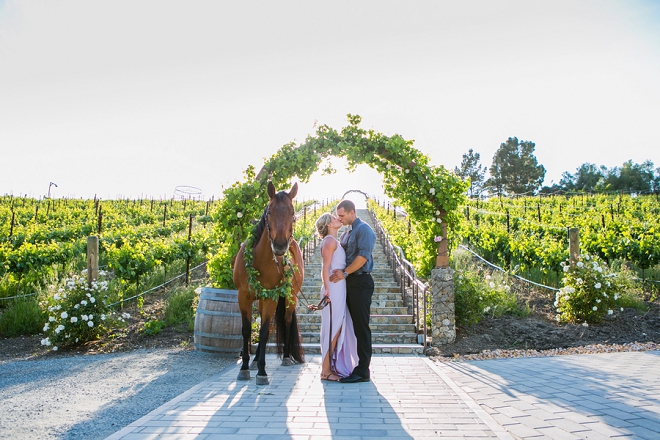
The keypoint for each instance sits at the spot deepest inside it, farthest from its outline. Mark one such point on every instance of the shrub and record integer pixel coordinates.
(180, 308)
(77, 313)
(23, 316)
(153, 327)
(590, 291)
(478, 294)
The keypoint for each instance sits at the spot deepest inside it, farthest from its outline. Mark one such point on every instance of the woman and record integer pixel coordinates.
(340, 356)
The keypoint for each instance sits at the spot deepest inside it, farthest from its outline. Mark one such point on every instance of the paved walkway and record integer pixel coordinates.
(411, 397)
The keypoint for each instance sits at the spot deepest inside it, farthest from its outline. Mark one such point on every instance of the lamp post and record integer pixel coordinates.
(51, 184)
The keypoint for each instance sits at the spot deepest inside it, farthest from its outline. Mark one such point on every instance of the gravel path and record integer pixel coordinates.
(91, 397)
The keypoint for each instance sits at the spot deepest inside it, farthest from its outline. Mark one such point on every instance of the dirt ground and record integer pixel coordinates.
(132, 337)
(508, 336)
(505, 334)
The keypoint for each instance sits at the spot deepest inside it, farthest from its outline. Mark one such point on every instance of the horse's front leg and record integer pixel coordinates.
(244, 373)
(253, 365)
(286, 358)
(262, 377)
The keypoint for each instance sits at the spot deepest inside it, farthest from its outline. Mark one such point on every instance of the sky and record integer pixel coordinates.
(135, 98)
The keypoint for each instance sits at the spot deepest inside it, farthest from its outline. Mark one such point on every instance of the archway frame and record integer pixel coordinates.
(431, 195)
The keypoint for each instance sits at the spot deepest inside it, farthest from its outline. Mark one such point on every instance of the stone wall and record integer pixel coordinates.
(444, 318)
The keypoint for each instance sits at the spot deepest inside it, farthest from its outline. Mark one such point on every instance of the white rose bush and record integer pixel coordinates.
(76, 312)
(590, 291)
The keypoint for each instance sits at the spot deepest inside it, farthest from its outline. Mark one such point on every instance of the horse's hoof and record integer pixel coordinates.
(253, 366)
(287, 362)
(262, 380)
(243, 375)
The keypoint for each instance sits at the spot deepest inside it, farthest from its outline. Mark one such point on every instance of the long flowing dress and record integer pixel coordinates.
(345, 357)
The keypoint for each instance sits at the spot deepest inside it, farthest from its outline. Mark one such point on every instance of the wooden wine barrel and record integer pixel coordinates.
(217, 327)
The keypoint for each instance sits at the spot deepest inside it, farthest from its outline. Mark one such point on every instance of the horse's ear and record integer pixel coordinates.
(294, 191)
(271, 190)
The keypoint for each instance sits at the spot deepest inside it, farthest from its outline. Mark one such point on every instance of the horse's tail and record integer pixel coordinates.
(296, 351)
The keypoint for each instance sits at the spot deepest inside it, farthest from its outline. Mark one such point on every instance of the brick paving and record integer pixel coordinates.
(598, 396)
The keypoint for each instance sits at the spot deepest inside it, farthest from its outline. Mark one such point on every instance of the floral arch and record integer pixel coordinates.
(355, 191)
(430, 194)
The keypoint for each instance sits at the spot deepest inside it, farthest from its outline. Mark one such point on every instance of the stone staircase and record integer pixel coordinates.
(392, 330)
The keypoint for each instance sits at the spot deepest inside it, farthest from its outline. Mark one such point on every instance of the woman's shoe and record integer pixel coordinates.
(331, 377)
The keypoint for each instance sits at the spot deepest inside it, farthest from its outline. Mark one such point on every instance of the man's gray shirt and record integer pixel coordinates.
(359, 239)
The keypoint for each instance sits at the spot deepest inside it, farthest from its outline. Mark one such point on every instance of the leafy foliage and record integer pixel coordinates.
(428, 193)
(611, 228)
(284, 290)
(180, 307)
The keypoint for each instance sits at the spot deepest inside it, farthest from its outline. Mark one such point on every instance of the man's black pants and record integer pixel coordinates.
(359, 290)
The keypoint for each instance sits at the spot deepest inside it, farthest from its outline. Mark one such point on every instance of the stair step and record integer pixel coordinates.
(387, 302)
(309, 290)
(377, 338)
(375, 319)
(375, 328)
(315, 297)
(315, 348)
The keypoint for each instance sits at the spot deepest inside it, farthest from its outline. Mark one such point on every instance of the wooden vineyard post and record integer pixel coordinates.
(100, 220)
(188, 257)
(11, 229)
(92, 259)
(573, 245)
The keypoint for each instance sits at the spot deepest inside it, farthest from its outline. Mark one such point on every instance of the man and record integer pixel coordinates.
(358, 241)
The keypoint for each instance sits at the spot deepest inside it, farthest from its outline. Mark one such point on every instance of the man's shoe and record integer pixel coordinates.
(354, 378)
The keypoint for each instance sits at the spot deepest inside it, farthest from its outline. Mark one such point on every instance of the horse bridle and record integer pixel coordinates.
(272, 245)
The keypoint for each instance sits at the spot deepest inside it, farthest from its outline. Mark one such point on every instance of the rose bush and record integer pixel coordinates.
(77, 312)
(589, 292)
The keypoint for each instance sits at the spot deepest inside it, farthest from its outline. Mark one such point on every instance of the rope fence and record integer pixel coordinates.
(171, 280)
(494, 266)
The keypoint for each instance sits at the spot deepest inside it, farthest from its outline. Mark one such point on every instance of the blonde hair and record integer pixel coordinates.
(322, 224)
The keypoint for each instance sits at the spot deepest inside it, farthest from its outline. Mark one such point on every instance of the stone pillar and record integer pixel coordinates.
(443, 330)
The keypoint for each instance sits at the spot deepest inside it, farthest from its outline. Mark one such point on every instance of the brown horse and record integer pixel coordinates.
(273, 239)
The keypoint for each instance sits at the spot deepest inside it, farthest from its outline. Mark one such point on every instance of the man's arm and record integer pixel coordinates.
(338, 274)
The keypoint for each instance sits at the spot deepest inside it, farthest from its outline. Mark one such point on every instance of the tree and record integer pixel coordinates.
(515, 169)
(586, 178)
(631, 176)
(471, 168)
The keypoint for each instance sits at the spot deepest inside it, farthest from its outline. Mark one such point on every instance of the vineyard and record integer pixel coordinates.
(142, 243)
(41, 239)
(530, 235)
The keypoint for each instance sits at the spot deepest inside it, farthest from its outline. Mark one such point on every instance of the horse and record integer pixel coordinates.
(273, 238)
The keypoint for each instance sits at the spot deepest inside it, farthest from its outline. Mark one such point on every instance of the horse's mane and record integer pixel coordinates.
(259, 228)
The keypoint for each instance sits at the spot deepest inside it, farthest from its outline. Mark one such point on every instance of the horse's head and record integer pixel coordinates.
(280, 217)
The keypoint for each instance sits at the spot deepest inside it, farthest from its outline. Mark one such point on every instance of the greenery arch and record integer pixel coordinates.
(355, 191)
(429, 194)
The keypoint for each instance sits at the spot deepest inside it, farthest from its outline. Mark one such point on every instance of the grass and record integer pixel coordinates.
(180, 306)
(22, 316)
(479, 293)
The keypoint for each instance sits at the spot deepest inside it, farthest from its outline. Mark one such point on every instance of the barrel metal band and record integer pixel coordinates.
(216, 336)
(216, 349)
(214, 313)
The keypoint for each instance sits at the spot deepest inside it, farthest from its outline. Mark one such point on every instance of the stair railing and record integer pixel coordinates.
(405, 275)
(309, 242)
